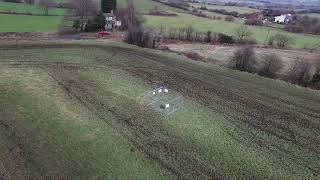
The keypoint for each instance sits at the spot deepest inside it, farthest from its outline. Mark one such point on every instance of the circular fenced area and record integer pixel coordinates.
(163, 100)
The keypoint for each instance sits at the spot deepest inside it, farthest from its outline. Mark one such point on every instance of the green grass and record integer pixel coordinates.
(75, 112)
(24, 23)
(144, 6)
(203, 24)
(26, 8)
(240, 10)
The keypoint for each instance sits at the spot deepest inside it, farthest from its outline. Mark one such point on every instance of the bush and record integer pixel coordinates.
(140, 36)
(223, 38)
(270, 41)
(282, 40)
(316, 76)
(194, 56)
(208, 37)
(253, 21)
(229, 18)
(172, 33)
(199, 36)
(300, 72)
(189, 31)
(271, 66)
(244, 59)
(243, 34)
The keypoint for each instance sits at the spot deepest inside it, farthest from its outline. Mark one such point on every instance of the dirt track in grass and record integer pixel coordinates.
(254, 108)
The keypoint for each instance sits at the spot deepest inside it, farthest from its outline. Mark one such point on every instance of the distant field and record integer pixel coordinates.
(223, 54)
(23, 23)
(211, 14)
(238, 9)
(144, 6)
(203, 24)
(26, 8)
(72, 110)
(317, 15)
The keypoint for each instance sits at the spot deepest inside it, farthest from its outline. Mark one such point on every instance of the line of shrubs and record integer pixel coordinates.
(179, 4)
(188, 33)
(28, 13)
(242, 35)
(301, 72)
(221, 11)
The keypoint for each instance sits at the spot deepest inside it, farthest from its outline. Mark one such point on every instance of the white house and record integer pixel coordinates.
(284, 18)
(112, 22)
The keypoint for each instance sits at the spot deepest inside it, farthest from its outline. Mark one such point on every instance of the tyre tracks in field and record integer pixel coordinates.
(143, 134)
(261, 116)
(206, 87)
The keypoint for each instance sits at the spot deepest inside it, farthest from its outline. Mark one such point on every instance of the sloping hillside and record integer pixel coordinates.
(71, 110)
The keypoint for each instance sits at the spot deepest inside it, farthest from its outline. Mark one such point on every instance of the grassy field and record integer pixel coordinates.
(24, 23)
(144, 6)
(26, 8)
(240, 10)
(73, 110)
(317, 15)
(203, 24)
(21, 23)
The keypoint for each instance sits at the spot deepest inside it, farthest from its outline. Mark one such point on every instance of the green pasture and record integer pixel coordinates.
(27, 8)
(240, 10)
(25, 23)
(144, 6)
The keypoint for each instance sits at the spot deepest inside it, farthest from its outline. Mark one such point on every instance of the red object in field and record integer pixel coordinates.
(104, 33)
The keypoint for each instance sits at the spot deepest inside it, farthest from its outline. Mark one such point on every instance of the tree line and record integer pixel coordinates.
(301, 71)
(304, 24)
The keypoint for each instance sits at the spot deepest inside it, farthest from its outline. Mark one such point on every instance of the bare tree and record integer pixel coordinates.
(271, 66)
(129, 16)
(189, 30)
(317, 64)
(282, 40)
(244, 59)
(46, 5)
(300, 72)
(82, 11)
(243, 33)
